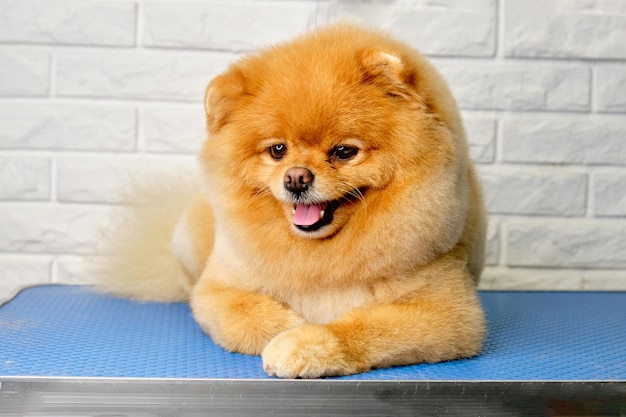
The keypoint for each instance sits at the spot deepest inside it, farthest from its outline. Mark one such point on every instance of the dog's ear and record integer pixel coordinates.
(389, 71)
(221, 97)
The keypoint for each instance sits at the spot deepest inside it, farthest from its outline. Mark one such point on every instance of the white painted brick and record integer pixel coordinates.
(457, 27)
(139, 75)
(76, 270)
(49, 229)
(24, 178)
(586, 139)
(520, 279)
(534, 191)
(68, 22)
(173, 129)
(493, 243)
(106, 179)
(604, 280)
(564, 279)
(555, 28)
(61, 126)
(481, 135)
(553, 279)
(610, 89)
(579, 243)
(225, 25)
(18, 272)
(24, 72)
(504, 86)
(609, 194)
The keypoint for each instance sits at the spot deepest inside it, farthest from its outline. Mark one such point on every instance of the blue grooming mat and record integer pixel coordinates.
(72, 331)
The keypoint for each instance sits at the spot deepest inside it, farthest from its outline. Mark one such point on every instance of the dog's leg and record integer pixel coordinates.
(239, 320)
(435, 326)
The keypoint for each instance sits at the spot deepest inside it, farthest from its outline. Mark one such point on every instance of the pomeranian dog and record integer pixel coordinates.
(336, 224)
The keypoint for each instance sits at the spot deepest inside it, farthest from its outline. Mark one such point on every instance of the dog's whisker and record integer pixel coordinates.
(258, 194)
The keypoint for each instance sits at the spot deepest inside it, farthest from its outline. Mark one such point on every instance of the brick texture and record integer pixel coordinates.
(224, 25)
(41, 229)
(566, 243)
(137, 75)
(68, 22)
(574, 29)
(611, 89)
(534, 191)
(609, 198)
(421, 23)
(173, 129)
(24, 72)
(93, 92)
(98, 179)
(46, 125)
(564, 139)
(504, 86)
(24, 178)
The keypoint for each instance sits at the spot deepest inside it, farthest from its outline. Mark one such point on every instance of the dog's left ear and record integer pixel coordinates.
(391, 72)
(221, 97)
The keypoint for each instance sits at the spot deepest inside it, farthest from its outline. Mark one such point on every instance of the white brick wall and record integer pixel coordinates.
(93, 90)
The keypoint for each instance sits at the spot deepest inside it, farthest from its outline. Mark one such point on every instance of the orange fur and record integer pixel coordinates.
(388, 275)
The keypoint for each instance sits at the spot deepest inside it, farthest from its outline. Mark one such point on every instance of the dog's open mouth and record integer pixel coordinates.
(312, 217)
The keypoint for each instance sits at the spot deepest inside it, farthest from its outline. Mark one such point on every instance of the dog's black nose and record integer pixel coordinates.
(297, 179)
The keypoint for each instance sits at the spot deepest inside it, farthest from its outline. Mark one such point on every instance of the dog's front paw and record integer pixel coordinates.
(307, 351)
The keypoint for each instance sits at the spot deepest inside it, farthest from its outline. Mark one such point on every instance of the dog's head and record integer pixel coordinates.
(314, 129)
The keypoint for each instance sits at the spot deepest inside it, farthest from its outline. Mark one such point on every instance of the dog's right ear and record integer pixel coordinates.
(221, 97)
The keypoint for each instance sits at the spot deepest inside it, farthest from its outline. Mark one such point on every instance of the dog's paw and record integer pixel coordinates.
(307, 351)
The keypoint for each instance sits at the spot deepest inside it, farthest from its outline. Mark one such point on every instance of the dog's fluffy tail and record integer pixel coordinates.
(137, 259)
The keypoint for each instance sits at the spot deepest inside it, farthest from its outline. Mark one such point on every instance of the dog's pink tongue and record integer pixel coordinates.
(306, 215)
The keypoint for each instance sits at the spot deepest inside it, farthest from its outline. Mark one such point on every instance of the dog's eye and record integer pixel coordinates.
(343, 153)
(278, 151)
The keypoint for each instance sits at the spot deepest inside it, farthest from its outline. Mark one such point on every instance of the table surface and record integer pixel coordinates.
(72, 331)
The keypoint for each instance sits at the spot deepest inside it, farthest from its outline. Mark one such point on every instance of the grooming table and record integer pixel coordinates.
(67, 350)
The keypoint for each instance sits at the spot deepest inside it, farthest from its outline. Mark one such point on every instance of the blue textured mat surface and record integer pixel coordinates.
(71, 331)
